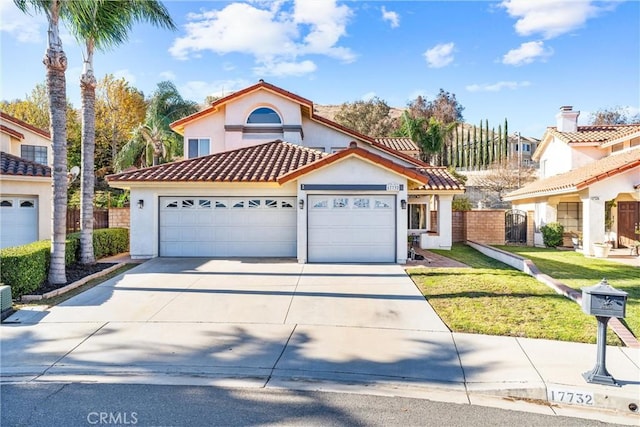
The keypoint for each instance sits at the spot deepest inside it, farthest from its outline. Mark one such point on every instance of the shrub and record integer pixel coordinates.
(110, 241)
(552, 234)
(25, 267)
(461, 204)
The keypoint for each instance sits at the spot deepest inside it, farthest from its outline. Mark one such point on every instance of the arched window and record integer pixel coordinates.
(263, 115)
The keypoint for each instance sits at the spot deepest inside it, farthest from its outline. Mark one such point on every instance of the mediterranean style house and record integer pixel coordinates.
(25, 182)
(264, 176)
(589, 182)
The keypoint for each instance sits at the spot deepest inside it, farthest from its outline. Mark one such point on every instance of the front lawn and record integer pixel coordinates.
(577, 271)
(495, 299)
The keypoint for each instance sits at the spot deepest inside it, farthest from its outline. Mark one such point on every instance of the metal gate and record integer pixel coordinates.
(515, 226)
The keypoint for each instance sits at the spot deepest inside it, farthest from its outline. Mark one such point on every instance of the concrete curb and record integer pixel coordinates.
(527, 266)
(71, 286)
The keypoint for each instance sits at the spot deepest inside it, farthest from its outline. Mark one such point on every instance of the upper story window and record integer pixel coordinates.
(198, 147)
(35, 153)
(263, 115)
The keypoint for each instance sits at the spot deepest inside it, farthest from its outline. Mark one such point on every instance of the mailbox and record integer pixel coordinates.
(604, 301)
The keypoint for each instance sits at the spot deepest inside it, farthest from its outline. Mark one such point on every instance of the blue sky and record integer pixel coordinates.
(519, 59)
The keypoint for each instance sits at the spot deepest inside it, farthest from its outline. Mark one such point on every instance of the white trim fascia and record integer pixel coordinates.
(22, 178)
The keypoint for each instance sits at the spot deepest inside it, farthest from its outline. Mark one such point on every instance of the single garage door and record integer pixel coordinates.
(18, 220)
(228, 226)
(351, 228)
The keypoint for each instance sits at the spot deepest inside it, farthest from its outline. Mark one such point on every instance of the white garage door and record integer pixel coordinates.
(18, 220)
(350, 228)
(228, 226)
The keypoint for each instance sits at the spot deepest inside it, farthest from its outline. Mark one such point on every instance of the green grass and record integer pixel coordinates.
(577, 271)
(495, 299)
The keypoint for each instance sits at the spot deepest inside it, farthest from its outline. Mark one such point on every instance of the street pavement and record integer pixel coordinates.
(282, 325)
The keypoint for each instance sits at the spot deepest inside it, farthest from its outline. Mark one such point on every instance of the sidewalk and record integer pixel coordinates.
(284, 325)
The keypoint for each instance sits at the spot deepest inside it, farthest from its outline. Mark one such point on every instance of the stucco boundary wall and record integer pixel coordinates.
(527, 266)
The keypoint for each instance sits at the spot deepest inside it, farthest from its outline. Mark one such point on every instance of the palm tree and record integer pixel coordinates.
(102, 25)
(153, 142)
(55, 62)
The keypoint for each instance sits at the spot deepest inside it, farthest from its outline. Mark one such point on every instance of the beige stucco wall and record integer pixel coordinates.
(30, 186)
(11, 145)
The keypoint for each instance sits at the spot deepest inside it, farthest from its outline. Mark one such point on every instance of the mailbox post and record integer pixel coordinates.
(604, 302)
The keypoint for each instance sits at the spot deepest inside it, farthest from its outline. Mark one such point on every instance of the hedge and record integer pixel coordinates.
(25, 268)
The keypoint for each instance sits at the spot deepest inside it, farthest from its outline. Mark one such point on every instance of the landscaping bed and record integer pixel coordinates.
(74, 272)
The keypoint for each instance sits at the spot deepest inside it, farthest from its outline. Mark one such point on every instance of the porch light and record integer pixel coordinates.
(403, 204)
(140, 203)
(301, 203)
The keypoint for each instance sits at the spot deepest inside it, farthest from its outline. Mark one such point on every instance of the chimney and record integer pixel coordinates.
(567, 119)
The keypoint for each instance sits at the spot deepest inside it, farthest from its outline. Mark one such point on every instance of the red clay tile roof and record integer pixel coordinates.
(440, 179)
(598, 134)
(25, 125)
(14, 165)
(260, 163)
(399, 143)
(580, 178)
(360, 152)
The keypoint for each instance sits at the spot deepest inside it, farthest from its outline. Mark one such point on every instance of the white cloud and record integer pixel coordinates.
(126, 75)
(270, 33)
(551, 18)
(526, 53)
(199, 90)
(285, 68)
(440, 55)
(167, 75)
(497, 87)
(392, 17)
(26, 28)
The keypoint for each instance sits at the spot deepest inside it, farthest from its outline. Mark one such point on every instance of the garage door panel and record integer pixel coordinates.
(228, 226)
(18, 220)
(351, 228)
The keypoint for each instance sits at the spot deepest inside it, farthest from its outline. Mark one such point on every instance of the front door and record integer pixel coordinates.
(628, 223)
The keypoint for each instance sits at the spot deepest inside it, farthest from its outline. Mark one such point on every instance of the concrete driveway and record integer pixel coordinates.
(256, 320)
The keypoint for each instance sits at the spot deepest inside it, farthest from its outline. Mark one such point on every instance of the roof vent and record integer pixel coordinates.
(567, 119)
(353, 144)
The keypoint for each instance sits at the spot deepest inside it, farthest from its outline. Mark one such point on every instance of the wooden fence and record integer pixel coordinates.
(100, 219)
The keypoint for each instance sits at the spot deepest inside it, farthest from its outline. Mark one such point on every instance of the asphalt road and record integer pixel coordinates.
(53, 404)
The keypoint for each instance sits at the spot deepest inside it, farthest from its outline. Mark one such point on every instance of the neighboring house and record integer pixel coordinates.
(585, 171)
(25, 182)
(402, 144)
(266, 177)
(523, 148)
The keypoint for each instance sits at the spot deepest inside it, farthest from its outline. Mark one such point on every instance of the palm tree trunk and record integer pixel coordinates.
(88, 93)
(55, 62)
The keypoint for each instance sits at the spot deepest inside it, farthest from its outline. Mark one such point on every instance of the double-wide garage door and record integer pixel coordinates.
(228, 226)
(351, 228)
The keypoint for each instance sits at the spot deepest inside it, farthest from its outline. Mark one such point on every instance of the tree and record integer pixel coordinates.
(55, 62)
(153, 141)
(505, 176)
(102, 25)
(613, 116)
(120, 109)
(444, 107)
(366, 117)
